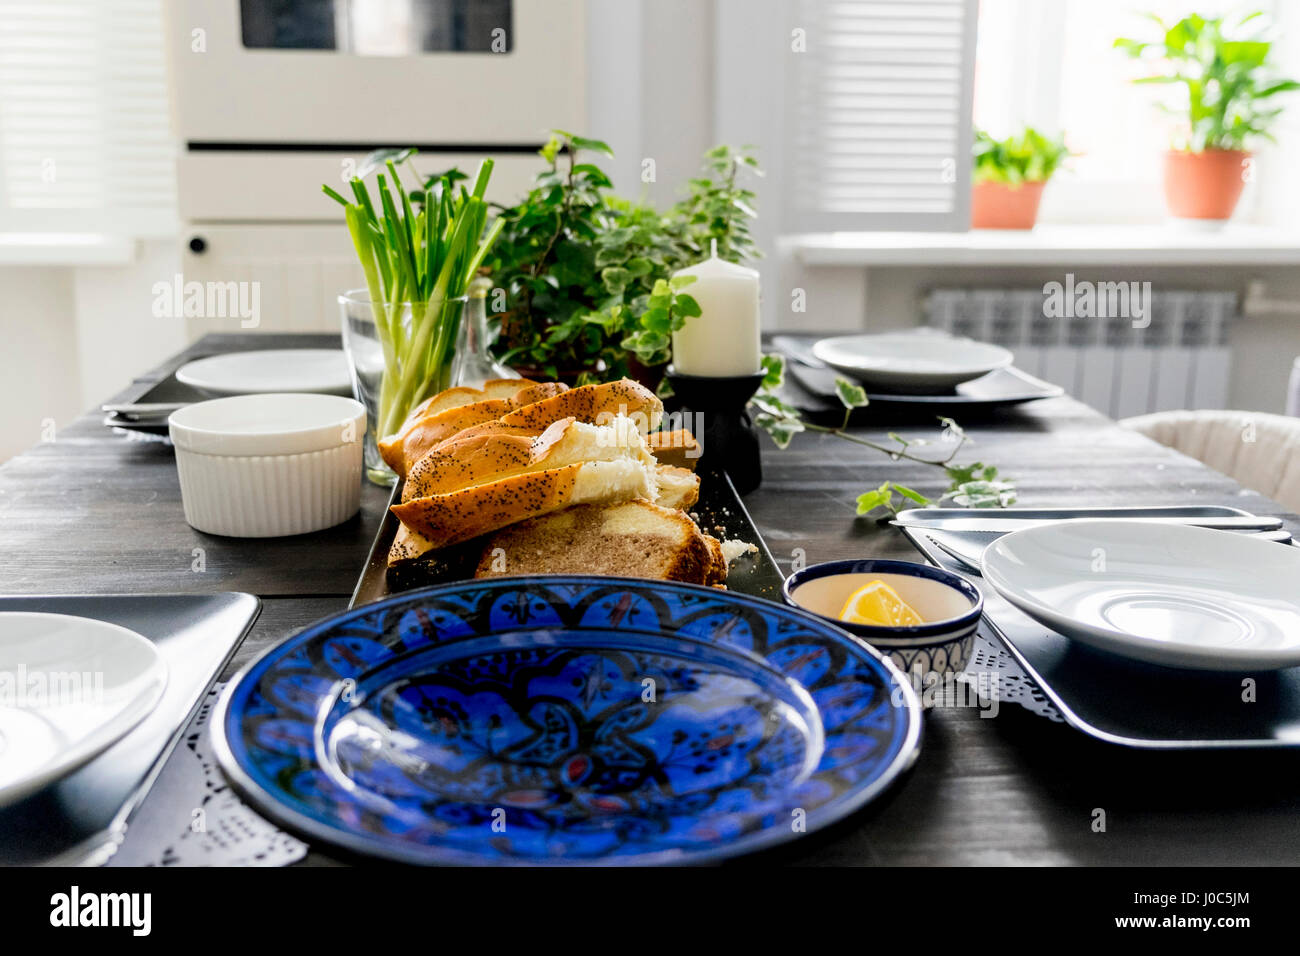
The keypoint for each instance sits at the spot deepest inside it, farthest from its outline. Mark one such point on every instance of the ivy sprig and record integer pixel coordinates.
(975, 485)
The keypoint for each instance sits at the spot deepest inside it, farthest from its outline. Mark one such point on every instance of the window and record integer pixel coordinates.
(1053, 66)
(85, 145)
(879, 116)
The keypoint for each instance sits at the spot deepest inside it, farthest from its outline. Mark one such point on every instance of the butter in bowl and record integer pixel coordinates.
(262, 466)
(923, 617)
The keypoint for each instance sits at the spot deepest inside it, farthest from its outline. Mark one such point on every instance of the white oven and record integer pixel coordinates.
(490, 72)
(271, 98)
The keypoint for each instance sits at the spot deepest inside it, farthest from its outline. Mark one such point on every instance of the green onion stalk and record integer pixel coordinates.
(425, 259)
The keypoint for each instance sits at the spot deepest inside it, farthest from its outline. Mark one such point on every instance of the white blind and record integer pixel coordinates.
(881, 115)
(85, 144)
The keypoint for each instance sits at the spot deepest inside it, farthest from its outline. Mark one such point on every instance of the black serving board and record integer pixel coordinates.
(719, 512)
(1127, 702)
(82, 817)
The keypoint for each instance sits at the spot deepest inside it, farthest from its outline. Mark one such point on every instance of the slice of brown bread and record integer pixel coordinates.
(630, 539)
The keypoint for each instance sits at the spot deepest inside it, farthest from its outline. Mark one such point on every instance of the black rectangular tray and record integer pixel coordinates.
(82, 818)
(1130, 703)
(719, 512)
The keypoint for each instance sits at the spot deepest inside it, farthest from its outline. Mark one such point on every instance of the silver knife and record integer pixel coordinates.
(996, 525)
(967, 547)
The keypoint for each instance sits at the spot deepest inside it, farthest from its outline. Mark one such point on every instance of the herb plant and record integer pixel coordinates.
(1029, 157)
(588, 275)
(1225, 70)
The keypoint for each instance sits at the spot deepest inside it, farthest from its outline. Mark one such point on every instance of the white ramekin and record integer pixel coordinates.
(262, 466)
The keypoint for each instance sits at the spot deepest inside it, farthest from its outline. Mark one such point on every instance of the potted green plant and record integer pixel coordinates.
(1229, 85)
(1008, 177)
(587, 275)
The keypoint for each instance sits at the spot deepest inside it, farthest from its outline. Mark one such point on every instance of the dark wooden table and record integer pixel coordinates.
(94, 512)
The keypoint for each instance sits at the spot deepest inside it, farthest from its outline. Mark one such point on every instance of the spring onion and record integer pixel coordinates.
(424, 258)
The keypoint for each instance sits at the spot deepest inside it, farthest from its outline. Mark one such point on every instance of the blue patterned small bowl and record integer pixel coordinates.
(950, 605)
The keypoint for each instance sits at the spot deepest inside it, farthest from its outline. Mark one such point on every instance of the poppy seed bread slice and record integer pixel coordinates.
(491, 454)
(419, 434)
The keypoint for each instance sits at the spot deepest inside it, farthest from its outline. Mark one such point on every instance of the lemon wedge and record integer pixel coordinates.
(879, 604)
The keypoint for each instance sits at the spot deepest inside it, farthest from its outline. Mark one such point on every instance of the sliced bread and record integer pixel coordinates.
(678, 448)
(491, 454)
(450, 518)
(628, 539)
(418, 435)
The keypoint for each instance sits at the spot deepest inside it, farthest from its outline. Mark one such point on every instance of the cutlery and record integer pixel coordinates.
(967, 547)
(1003, 525)
(799, 350)
(144, 409)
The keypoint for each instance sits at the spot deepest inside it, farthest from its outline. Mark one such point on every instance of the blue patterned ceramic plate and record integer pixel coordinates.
(565, 720)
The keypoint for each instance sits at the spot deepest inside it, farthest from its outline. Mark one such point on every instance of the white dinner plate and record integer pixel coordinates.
(911, 361)
(70, 688)
(273, 370)
(1165, 594)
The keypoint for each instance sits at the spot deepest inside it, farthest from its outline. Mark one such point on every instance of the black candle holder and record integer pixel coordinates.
(729, 441)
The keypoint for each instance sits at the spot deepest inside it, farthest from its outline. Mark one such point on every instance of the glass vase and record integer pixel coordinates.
(474, 362)
(397, 367)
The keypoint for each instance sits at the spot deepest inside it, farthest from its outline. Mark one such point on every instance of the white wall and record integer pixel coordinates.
(39, 369)
(73, 336)
(118, 336)
(650, 82)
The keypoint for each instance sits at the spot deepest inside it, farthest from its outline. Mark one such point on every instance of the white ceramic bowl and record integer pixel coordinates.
(911, 361)
(1164, 594)
(262, 466)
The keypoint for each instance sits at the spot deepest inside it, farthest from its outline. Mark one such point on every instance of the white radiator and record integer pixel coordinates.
(1180, 360)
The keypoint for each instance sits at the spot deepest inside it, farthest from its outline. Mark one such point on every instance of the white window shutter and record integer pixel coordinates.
(879, 107)
(85, 142)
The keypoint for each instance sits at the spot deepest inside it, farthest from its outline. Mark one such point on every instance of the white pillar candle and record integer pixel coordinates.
(723, 340)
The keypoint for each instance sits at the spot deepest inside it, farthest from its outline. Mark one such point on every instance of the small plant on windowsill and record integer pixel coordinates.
(1227, 85)
(1008, 177)
(974, 485)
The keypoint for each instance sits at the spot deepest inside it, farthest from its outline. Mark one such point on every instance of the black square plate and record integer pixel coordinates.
(82, 818)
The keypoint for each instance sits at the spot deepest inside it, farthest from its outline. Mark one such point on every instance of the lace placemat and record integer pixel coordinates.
(991, 666)
(192, 817)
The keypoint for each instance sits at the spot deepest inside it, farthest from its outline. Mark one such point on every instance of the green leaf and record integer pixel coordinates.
(773, 372)
(686, 305)
(615, 279)
(594, 145)
(849, 394)
(781, 430)
(882, 497)
(915, 496)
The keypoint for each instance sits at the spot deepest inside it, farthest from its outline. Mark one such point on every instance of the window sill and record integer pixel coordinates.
(1051, 245)
(64, 249)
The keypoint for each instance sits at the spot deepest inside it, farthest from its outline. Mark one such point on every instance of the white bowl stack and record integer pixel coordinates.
(261, 466)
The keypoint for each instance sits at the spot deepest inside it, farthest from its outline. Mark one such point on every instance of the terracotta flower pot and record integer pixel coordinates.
(1204, 185)
(1002, 206)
